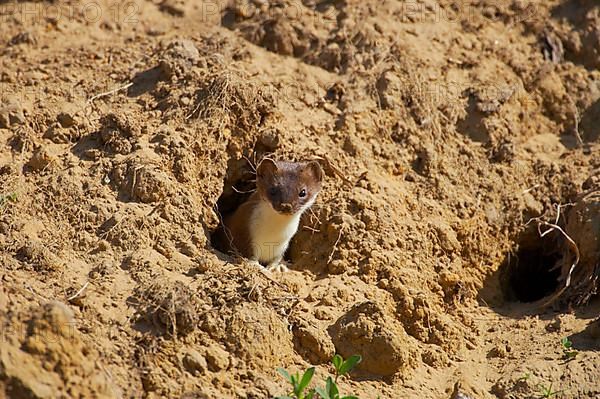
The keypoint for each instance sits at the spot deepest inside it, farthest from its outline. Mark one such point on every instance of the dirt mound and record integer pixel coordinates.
(447, 132)
(367, 329)
(53, 359)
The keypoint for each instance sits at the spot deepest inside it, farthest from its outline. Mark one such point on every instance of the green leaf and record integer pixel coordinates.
(310, 395)
(350, 364)
(337, 362)
(284, 397)
(308, 375)
(332, 388)
(350, 397)
(284, 374)
(566, 343)
(322, 393)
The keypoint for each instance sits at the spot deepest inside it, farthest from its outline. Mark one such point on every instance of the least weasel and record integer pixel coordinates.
(262, 227)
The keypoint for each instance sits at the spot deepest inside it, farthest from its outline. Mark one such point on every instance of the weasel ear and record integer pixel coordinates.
(266, 167)
(315, 169)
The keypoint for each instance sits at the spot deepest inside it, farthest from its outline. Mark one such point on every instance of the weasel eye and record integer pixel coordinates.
(302, 193)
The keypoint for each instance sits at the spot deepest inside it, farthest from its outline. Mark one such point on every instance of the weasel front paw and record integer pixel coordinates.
(279, 267)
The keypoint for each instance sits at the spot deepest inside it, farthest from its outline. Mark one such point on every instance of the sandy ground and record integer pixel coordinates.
(454, 245)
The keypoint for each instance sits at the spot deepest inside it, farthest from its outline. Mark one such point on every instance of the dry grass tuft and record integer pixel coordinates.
(226, 99)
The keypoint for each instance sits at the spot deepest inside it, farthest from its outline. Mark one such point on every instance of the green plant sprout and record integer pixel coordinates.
(330, 391)
(526, 376)
(298, 384)
(547, 392)
(341, 367)
(567, 347)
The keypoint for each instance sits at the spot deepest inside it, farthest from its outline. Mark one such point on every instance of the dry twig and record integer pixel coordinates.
(335, 245)
(69, 299)
(108, 93)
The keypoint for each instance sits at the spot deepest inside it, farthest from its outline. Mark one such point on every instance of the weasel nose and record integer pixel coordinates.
(286, 207)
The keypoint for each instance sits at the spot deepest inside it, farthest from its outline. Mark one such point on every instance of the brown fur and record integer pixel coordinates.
(279, 183)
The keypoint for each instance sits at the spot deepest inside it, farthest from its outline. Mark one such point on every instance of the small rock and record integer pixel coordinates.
(194, 362)
(316, 343)
(218, 359)
(270, 140)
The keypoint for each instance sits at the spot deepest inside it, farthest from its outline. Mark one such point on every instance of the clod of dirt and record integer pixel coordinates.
(315, 343)
(389, 88)
(367, 329)
(54, 316)
(446, 236)
(259, 336)
(118, 132)
(11, 113)
(66, 119)
(194, 362)
(268, 25)
(278, 37)
(59, 135)
(217, 358)
(53, 359)
(427, 160)
(22, 379)
(178, 57)
(150, 185)
(554, 92)
(171, 307)
(592, 182)
(268, 141)
(229, 100)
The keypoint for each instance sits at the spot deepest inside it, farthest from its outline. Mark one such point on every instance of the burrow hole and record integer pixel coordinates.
(532, 270)
(239, 183)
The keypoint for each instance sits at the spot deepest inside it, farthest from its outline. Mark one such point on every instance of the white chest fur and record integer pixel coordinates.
(271, 232)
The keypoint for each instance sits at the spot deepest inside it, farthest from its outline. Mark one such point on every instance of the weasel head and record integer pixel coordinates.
(289, 187)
